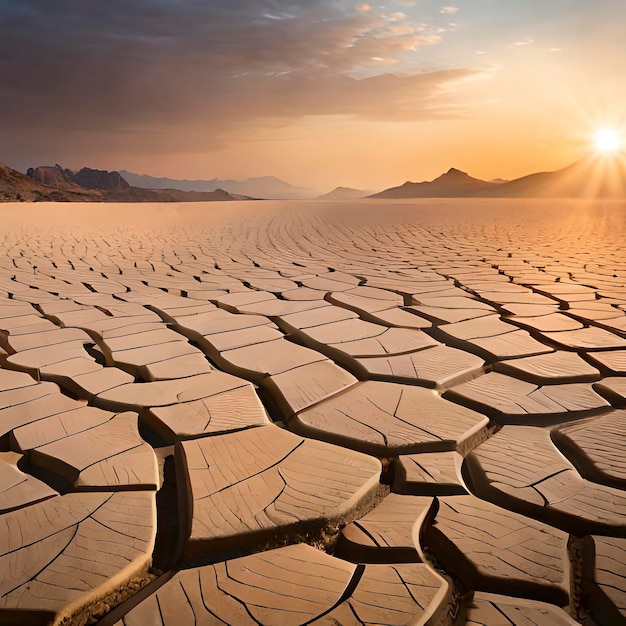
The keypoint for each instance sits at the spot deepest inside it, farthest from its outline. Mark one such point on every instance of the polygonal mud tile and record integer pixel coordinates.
(18, 489)
(110, 455)
(613, 389)
(432, 473)
(493, 337)
(315, 317)
(24, 325)
(612, 360)
(437, 367)
(586, 339)
(233, 408)
(268, 359)
(25, 405)
(292, 586)
(387, 419)
(83, 377)
(595, 448)
(395, 595)
(491, 549)
(58, 426)
(135, 396)
(358, 338)
(451, 309)
(556, 367)
(34, 360)
(298, 388)
(388, 534)
(398, 318)
(245, 486)
(510, 400)
(331, 281)
(10, 379)
(275, 308)
(553, 322)
(55, 337)
(232, 339)
(604, 578)
(521, 469)
(366, 299)
(487, 609)
(106, 537)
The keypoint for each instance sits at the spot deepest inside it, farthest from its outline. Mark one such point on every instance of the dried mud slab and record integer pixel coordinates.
(233, 407)
(438, 367)
(433, 473)
(520, 468)
(292, 586)
(486, 609)
(388, 534)
(596, 448)
(108, 456)
(613, 389)
(242, 488)
(387, 419)
(546, 369)
(604, 578)
(491, 549)
(492, 337)
(107, 537)
(510, 400)
(18, 489)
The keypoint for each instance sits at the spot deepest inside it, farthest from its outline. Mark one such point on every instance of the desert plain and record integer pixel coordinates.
(282, 413)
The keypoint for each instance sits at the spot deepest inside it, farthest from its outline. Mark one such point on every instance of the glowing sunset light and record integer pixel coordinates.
(607, 140)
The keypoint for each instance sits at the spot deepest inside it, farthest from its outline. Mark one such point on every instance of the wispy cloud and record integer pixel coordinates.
(112, 72)
(449, 10)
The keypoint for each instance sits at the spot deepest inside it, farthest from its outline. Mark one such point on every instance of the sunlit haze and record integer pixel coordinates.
(319, 93)
(607, 140)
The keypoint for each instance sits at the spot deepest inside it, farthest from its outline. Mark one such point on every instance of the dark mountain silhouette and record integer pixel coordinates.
(344, 193)
(56, 183)
(591, 177)
(267, 187)
(452, 184)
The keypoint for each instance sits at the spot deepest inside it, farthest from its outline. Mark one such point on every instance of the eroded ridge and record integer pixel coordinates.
(314, 414)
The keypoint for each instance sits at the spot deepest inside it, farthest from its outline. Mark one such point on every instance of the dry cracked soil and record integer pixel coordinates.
(283, 413)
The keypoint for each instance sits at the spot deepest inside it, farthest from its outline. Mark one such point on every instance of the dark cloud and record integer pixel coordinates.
(124, 72)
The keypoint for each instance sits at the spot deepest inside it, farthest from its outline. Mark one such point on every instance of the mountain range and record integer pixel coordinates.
(58, 184)
(265, 187)
(591, 177)
(344, 193)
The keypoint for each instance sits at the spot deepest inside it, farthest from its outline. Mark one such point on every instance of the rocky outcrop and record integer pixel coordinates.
(17, 187)
(99, 179)
(53, 183)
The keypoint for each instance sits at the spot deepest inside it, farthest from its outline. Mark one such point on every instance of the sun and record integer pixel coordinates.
(607, 140)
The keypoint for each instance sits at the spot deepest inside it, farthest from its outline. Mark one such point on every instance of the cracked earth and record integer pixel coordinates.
(276, 413)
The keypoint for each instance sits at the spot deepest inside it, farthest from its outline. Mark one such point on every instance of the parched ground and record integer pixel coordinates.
(284, 413)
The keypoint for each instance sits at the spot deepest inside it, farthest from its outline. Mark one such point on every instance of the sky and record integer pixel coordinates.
(317, 92)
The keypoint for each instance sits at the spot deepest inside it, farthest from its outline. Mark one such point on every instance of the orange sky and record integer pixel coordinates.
(319, 93)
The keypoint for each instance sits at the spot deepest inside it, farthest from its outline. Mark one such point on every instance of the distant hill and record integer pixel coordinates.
(17, 187)
(266, 187)
(591, 177)
(344, 193)
(452, 184)
(53, 182)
